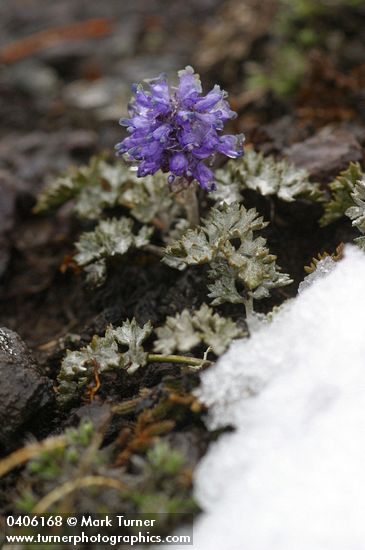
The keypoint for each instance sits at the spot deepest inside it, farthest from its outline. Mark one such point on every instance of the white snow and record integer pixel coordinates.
(324, 266)
(292, 475)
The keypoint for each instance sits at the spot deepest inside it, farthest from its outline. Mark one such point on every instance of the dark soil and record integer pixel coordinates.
(61, 105)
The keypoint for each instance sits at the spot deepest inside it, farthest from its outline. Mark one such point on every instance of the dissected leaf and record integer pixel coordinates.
(217, 332)
(102, 184)
(130, 334)
(104, 350)
(193, 248)
(230, 222)
(177, 333)
(266, 176)
(111, 237)
(341, 189)
(150, 198)
(227, 186)
(186, 330)
(94, 187)
(357, 213)
(360, 241)
(103, 354)
(226, 241)
(62, 190)
(223, 289)
(78, 367)
(336, 257)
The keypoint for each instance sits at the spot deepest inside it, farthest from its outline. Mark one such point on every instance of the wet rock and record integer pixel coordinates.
(23, 391)
(272, 138)
(37, 157)
(326, 153)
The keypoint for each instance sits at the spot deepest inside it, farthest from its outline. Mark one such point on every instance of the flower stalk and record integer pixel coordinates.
(187, 197)
(179, 360)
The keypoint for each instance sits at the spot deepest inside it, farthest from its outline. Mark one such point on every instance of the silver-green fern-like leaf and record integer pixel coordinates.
(150, 198)
(111, 237)
(120, 348)
(228, 185)
(186, 330)
(78, 367)
(223, 288)
(58, 193)
(102, 184)
(356, 213)
(93, 187)
(130, 334)
(226, 242)
(341, 189)
(266, 176)
(178, 333)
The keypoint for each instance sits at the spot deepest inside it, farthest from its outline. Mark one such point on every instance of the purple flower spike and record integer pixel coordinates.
(178, 130)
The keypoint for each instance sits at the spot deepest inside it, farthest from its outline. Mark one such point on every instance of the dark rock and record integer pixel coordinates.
(23, 391)
(272, 138)
(326, 153)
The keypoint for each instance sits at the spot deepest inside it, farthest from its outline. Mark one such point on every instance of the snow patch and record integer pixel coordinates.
(323, 268)
(292, 475)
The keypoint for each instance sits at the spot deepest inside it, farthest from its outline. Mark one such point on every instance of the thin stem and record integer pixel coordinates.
(185, 194)
(248, 303)
(191, 205)
(178, 359)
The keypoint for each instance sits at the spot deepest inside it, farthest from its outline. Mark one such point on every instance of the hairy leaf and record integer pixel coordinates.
(94, 187)
(61, 191)
(177, 333)
(150, 198)
(223, 289)
(265, 175)
(341, 189)
(78, 367)
(217, 332)
(110, 238)
(102, 184)
(193, 248)
(130, 334)
(357, 213)
(227, 186)
(226, 241)
(185, 331)
(119, 348)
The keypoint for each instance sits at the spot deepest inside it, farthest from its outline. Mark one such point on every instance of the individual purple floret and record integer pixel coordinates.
(178, 130)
